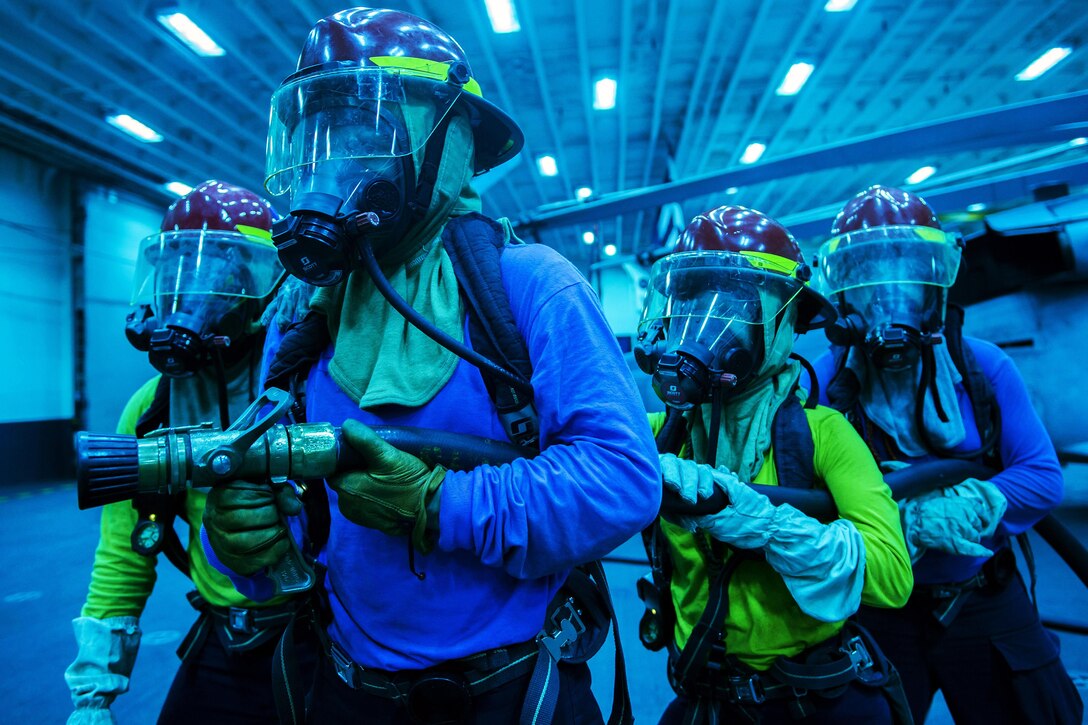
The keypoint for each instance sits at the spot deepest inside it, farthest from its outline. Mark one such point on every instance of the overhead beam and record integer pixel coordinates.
(1050, 119)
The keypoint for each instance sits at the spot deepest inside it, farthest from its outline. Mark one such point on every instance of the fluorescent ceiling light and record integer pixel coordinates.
(589, 237)
(1043, 63)
(795, 78)
(191, 34)
(610, 250)
(1079, 141)
(840, 6)
(547, 165)
(732, 190)
(604, 94)
(753, 152)
(134, 128)
(177, 187)
(503, 16)
(583, 192)
(921, 174)
(976, 207)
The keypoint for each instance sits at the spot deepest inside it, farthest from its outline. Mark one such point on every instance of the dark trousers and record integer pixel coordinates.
(214, 687)
(995, 663)
(859, 704)
(333, 701)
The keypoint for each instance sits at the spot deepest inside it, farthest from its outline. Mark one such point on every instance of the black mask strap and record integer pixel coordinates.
(428, 170)
(715, 426)
(221, 385)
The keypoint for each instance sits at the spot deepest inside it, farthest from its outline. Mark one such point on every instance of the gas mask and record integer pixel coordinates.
(197, 293)
(702, 327)
(342, 144)
(890, 284)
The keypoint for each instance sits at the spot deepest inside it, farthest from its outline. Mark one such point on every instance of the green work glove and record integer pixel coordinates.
(244, 524)
(392, 491)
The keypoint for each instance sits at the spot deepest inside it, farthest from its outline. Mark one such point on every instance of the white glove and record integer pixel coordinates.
(954, 520)
(291, 303)
(101, 670)
(822, 565)
(689, 479)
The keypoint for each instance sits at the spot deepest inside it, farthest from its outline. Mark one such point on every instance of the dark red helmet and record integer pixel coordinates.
(767, 245)
(384, 38)
(884, 206)
(224, 207)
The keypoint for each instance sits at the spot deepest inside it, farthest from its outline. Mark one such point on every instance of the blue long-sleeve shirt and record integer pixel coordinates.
(1031, 477)
(508, 534)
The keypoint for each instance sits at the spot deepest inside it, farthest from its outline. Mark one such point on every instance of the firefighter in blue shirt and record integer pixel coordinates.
(918, 390)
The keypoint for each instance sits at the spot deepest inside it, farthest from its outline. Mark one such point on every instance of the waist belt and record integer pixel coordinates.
(239, 629)
(946, 600)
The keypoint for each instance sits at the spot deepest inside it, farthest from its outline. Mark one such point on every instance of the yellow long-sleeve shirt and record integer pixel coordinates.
(122, 580)
(764, 622)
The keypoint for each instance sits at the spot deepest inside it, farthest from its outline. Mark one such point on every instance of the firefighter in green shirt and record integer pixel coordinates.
(202, 284)
(759, 596)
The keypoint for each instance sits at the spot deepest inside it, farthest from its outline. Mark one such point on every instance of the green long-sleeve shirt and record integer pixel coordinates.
(122, 580)
(764, 622)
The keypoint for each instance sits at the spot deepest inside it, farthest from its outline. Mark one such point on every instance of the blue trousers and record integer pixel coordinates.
(994, 663)
(859, 704)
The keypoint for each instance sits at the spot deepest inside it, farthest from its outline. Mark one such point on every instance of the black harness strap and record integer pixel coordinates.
(791, 438)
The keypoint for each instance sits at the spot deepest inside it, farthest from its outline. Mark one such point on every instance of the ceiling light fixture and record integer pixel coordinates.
(1043, 63)
(604, 94)
(1079, 141)
(921, 174)
(977, 207)
(547, 165)
(753, 152)
(137, 129)
(589, 237)
(503, 16)
(732, 190)
(178, 187)
(840, 6)
(191, 34)
(610, 250)
(795, 79)
(583, 192)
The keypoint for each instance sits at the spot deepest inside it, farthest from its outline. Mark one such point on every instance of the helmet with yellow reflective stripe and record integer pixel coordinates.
(413, 51)
(764, 245)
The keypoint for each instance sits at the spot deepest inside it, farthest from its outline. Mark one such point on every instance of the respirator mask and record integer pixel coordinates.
(342, 142)
(196, 293)
(702, 326)
(891, 287)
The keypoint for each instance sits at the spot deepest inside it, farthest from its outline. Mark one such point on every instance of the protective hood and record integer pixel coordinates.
(380, 357)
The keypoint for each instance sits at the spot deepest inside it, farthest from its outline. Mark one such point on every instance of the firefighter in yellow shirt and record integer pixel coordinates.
(759, 596)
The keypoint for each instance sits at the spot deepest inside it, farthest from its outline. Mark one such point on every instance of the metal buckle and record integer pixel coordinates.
(346, 669)
(858, 653)
(747, 690)
(567, 630)
(241, 620)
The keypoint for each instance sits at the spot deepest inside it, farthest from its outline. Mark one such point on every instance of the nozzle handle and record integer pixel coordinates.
(292, 574)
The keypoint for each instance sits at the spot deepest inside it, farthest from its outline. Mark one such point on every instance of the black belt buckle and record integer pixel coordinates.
(567, 630)
(240, 620)
(858, 653)
(439, 699)
(345, 668)
(747, 690)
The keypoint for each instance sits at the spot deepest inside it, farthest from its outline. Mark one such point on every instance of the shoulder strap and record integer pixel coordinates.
(157, 414)
(299, 350)
(844, 388)
(791, 438)
(979, 390)
(475, 245)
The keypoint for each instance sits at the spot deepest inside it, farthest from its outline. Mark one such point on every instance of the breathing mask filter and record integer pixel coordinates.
(702, 329)
(197, 293)
(343, 143)
(891, 285)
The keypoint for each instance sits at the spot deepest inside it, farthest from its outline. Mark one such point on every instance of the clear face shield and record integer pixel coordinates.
(193, 284)
(341, 143)
(703, 323)
(891, 285)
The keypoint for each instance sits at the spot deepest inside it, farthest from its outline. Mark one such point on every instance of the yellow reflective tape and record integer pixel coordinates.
(262, 236)
(423, 68)
(772, 262)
